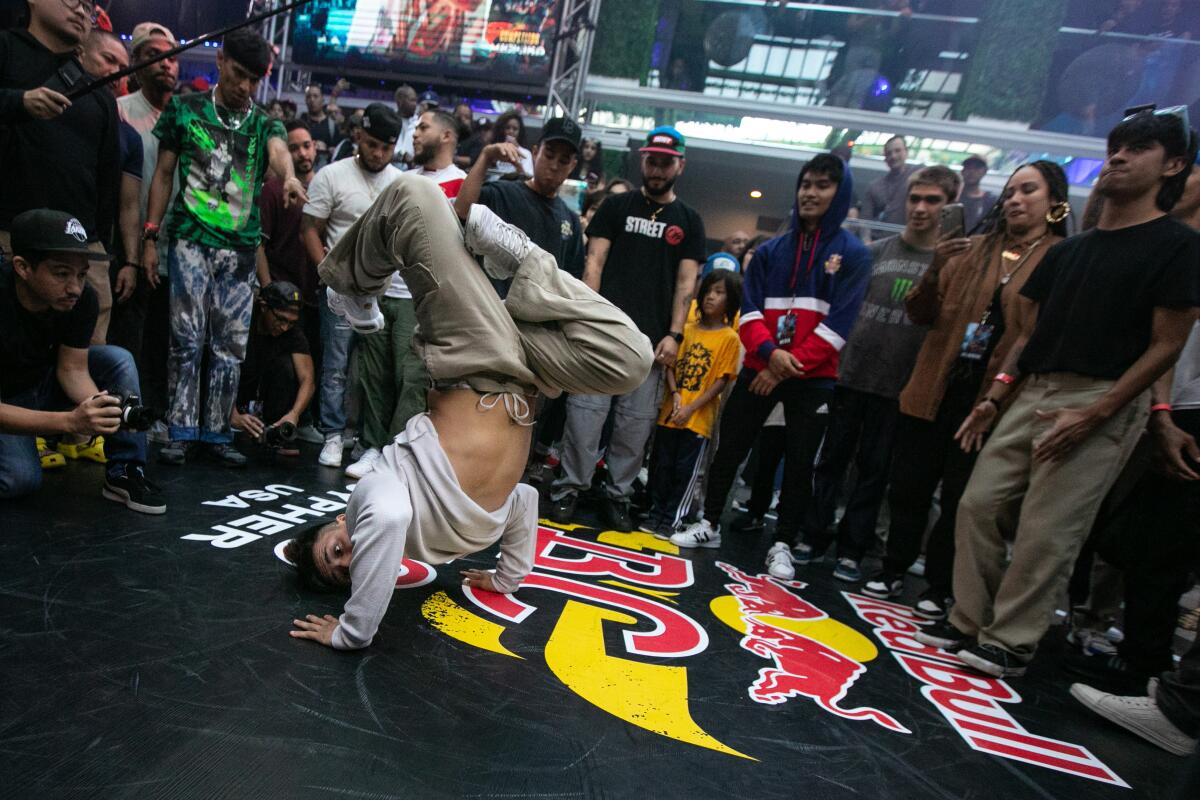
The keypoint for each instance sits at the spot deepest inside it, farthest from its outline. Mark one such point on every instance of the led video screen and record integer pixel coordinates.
(495, 41)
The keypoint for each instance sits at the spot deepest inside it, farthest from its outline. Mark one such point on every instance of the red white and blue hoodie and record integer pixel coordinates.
(821, 278)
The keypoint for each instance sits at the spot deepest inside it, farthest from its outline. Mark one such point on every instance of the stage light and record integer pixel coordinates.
(756, 194)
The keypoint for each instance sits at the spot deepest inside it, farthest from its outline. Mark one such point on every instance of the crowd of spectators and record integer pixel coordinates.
(160, 248)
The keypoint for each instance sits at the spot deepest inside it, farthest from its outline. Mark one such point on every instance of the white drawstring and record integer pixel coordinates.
(516, 406)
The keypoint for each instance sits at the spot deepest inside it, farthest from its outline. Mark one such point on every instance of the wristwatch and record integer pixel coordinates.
(678, 337)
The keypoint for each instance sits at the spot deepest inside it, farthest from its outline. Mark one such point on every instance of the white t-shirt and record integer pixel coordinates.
(404, 142)
(1185, 393)
(142, 117)
(341, 193)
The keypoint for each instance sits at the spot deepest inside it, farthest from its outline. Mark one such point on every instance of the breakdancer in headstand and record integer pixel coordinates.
(448, 485)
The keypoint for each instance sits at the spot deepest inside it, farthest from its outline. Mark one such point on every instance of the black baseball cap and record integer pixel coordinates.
(280, 295)
(43, 230)
(381, 122)
(562, 129)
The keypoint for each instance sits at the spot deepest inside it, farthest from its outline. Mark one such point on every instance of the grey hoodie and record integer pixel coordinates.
(411, 506)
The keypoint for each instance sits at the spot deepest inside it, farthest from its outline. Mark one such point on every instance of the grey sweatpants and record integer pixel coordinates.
(552, 333)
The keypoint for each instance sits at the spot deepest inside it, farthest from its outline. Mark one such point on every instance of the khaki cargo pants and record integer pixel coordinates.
(1046, 509)
(552, 333)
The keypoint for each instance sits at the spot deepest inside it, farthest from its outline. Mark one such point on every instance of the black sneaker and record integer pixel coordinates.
(747, 523)
(563, 509)
(131, 488)
(884, 587)
(1111, 673)
(945, 636)
(992, 660)
(615, 514)
(227, 454)
(932, 607)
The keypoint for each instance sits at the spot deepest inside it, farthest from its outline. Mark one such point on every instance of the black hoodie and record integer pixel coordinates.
(70, 163)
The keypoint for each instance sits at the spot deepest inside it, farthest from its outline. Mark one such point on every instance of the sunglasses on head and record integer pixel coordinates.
(1179, 112)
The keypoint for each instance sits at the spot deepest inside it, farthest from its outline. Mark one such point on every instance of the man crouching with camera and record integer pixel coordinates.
(47, 313)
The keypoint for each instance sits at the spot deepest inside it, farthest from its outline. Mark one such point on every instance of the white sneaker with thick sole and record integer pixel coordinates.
(331, 453)
(361, 468)
(502, 246)
(361, 311)
(1139, 715)
(698, 534)
(779, 562)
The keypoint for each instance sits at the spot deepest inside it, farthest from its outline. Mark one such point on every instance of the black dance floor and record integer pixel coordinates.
(147, 657)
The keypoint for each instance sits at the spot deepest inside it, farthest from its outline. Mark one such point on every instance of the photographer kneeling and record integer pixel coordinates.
(277, 380)
(47, 313)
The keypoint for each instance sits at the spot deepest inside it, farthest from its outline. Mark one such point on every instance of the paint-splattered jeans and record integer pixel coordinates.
(212, 295)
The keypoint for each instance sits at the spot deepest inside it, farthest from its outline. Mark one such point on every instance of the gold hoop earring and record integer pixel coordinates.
(1058, 213)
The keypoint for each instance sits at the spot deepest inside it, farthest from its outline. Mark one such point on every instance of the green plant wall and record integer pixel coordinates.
(1010, 66)
(624, 39)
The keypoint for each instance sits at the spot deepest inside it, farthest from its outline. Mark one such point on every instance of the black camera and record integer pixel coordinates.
(135, 416)
(278, 435)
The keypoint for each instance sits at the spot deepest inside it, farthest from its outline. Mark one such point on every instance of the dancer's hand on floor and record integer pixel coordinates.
(479, 579)
(319, 629)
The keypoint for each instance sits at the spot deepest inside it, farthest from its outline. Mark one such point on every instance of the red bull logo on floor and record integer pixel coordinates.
(804, 666)
(970, 702)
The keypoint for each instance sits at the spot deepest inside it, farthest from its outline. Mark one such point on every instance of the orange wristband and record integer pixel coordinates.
(1160, 407)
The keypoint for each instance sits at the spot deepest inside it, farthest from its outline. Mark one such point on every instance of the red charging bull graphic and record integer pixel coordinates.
(804, 667)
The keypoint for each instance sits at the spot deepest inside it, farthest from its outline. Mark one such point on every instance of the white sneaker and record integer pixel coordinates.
(779, 562)
(502, 246)
(331, 453)
(359, 469)
(698, 534)
(361, 311)
(1140, 715)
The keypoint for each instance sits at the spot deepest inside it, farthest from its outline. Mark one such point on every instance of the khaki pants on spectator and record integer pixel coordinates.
(97, 277)
(1047, 509)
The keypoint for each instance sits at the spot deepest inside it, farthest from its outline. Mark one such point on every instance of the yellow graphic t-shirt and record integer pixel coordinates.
(704, 358)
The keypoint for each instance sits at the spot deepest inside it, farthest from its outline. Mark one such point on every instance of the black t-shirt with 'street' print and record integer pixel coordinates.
(1097, 292)
(648, 240)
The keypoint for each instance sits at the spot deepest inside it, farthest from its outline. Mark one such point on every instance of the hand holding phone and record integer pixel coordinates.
(953, 220)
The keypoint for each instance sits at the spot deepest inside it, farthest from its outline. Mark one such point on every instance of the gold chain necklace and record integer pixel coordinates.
(1021, 258)
(1014, 251)
(657, 211)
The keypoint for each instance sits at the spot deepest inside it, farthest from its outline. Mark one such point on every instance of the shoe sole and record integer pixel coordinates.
(949, 645)
(841, 576)
(929, 616)
(121, 496)
(988, 667)
(1083, 694)
(709, 544)
(881, 595)
(328, 463)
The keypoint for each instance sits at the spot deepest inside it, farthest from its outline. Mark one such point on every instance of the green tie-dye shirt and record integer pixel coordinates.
(221, 171)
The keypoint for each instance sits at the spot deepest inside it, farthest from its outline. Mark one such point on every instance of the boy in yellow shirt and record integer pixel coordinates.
(708, 359)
